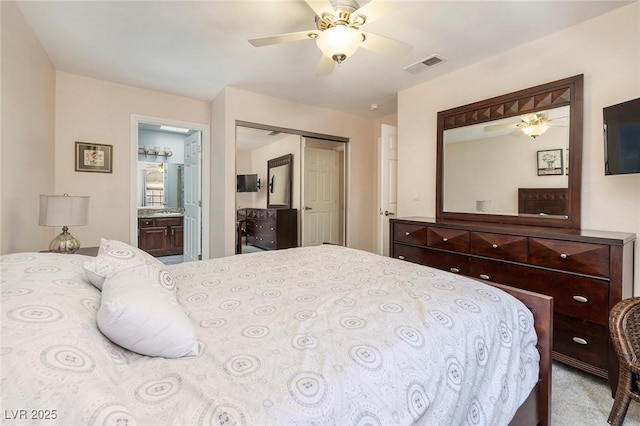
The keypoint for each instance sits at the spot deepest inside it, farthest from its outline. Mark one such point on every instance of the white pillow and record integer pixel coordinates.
(116, 256)
(142, 316)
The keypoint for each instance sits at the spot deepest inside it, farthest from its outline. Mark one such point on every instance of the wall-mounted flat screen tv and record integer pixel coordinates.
(247, 183)
(622, 138)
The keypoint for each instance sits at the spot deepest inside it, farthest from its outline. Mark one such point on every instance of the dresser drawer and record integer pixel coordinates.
(448, 239)
(499, 246)
(451, 262)
(583, 258)
(411, 234)
(574, 296)
(264, 227)
(263, 240)
(581, 340)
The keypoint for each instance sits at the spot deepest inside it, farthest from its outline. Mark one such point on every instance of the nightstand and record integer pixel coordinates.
(87, 251)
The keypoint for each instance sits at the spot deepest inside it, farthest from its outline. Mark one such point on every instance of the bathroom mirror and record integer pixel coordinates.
(279, 182)
(160, 185)
(494, 157)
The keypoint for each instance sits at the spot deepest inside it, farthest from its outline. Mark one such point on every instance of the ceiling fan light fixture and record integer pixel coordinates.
(339, 42)
(535, 130)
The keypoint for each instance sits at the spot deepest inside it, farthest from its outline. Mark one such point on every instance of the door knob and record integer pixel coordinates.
(308, 208)
(387, 213)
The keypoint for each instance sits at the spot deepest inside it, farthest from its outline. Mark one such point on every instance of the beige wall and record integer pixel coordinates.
(235, 104)
(606, 50)
(96, 111)
(27, 134)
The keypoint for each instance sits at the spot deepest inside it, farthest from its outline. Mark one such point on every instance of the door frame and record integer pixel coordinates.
(329, 138)
(136, 120)
(382, 230)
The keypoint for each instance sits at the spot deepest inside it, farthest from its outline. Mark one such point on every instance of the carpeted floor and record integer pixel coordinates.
(578, 398)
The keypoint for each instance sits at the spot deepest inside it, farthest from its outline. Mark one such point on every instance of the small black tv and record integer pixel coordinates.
(622, 138)
(247, 183)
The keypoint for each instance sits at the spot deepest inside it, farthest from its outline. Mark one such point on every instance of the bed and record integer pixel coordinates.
(315, 335)
(543, 201)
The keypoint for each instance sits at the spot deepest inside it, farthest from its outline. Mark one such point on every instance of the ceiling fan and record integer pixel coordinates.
(532, 125)
(337, 33)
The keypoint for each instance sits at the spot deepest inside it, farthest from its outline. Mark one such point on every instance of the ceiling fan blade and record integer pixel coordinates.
(375, 10)
(384, 45)
(320, 6)
(557, 118)
(282, 38)
(501, 127)
(325, 66)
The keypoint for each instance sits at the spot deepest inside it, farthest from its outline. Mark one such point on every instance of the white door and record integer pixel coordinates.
(192, 197)
(387, 184)
(320, 204)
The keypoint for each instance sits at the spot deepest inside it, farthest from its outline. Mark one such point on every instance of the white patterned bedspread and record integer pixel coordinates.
(319, 335)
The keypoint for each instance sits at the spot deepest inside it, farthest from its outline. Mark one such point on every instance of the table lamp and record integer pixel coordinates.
(64, 210)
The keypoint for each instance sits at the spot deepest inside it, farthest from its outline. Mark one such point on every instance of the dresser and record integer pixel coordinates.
(586, 273)
(271, 229)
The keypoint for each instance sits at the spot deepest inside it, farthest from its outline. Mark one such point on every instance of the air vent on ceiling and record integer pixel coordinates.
(424, 64)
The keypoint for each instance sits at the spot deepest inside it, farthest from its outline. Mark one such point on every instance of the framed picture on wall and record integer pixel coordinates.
(550, 162)
(94, 157)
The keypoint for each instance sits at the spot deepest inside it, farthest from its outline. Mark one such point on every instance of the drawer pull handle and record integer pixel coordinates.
(484, 276)
(563, 256)
(580, 340)
(580, 299)
(445, 239)
(401, 257)
(407, 233)
(455, 270)
(494, 246)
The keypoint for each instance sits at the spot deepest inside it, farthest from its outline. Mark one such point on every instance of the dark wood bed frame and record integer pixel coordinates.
(536, 409)
(543, 201)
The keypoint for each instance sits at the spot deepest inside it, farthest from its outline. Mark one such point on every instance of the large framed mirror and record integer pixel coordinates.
(279, 183)
(513, 159)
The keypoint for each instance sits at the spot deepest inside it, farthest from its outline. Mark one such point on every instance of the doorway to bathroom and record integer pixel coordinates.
(169, 191)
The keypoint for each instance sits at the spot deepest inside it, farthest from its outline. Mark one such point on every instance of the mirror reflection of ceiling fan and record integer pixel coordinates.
(338, 34)
(532, 125)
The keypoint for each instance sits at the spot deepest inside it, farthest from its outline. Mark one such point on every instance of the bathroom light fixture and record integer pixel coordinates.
(64, 210)
(174, 129)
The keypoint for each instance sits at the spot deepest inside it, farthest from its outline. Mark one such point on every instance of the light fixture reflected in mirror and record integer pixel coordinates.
(535, 130)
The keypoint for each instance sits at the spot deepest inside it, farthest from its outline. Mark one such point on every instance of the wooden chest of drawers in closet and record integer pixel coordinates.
(272, 229)
(586, 272)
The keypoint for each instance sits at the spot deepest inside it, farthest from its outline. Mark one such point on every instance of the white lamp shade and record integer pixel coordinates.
(63, 210)
(339, 40)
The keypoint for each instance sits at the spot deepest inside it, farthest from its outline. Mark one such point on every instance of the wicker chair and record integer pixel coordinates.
(624, 325)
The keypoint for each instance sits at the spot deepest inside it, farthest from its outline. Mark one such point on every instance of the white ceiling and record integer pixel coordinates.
(196, 48)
